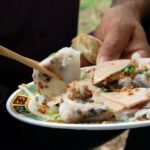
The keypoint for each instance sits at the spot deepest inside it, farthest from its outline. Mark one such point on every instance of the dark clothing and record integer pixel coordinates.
(138, 139)
(36, 28)
(33, 28)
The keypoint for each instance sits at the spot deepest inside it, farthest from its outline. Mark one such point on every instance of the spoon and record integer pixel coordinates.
(26, 61)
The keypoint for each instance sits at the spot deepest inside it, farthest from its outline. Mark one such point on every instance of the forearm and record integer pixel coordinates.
(137, 7)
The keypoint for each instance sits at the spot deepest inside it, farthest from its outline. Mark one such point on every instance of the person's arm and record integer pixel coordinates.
(121, 31)
(138, 7)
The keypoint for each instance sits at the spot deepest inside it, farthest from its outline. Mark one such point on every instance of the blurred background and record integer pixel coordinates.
(91, 12)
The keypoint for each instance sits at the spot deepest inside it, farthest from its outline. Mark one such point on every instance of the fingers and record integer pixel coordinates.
(113, 46)
(138, 44)
(143, 53)
(121, 36)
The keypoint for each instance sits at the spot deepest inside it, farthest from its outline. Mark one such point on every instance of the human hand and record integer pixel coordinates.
(121, 34)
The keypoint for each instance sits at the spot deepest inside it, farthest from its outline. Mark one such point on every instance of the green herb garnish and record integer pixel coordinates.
(104, 89)
(129, 70)
(147, 74)
(53, 113)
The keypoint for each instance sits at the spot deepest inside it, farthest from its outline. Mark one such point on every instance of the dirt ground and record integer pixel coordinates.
(91, 12)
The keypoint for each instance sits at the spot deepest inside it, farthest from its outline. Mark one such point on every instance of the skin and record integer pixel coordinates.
(121, 31)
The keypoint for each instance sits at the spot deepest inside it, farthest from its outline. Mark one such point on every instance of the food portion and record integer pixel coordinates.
(87, 45)
(122, 75)
(66, 64)
(106, 69)
(117, 90)
(114, 98)
(124, 87)
(76, 111)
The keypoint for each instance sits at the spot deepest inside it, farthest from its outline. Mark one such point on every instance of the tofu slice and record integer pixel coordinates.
(106, 69)
(129, 99)
(113, 106)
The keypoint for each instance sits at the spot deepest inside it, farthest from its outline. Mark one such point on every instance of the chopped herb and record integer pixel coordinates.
(52, 112)
(55, 116)
(129, 70)
(147, 74)
(104, 89)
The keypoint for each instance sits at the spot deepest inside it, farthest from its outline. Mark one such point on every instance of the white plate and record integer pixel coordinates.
(19, 105)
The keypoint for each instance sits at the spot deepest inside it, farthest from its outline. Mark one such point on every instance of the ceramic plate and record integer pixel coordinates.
(21, 107)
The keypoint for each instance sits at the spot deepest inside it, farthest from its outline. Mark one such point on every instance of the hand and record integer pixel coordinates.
(121, 34)
(84, 62)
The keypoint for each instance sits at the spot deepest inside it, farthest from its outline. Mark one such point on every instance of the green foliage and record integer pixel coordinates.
(91, 12)
(88, 3)
(95, 4)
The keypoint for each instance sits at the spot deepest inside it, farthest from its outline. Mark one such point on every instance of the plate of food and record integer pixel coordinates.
(109, 96)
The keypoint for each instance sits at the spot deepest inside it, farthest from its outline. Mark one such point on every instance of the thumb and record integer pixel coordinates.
(111, 48)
